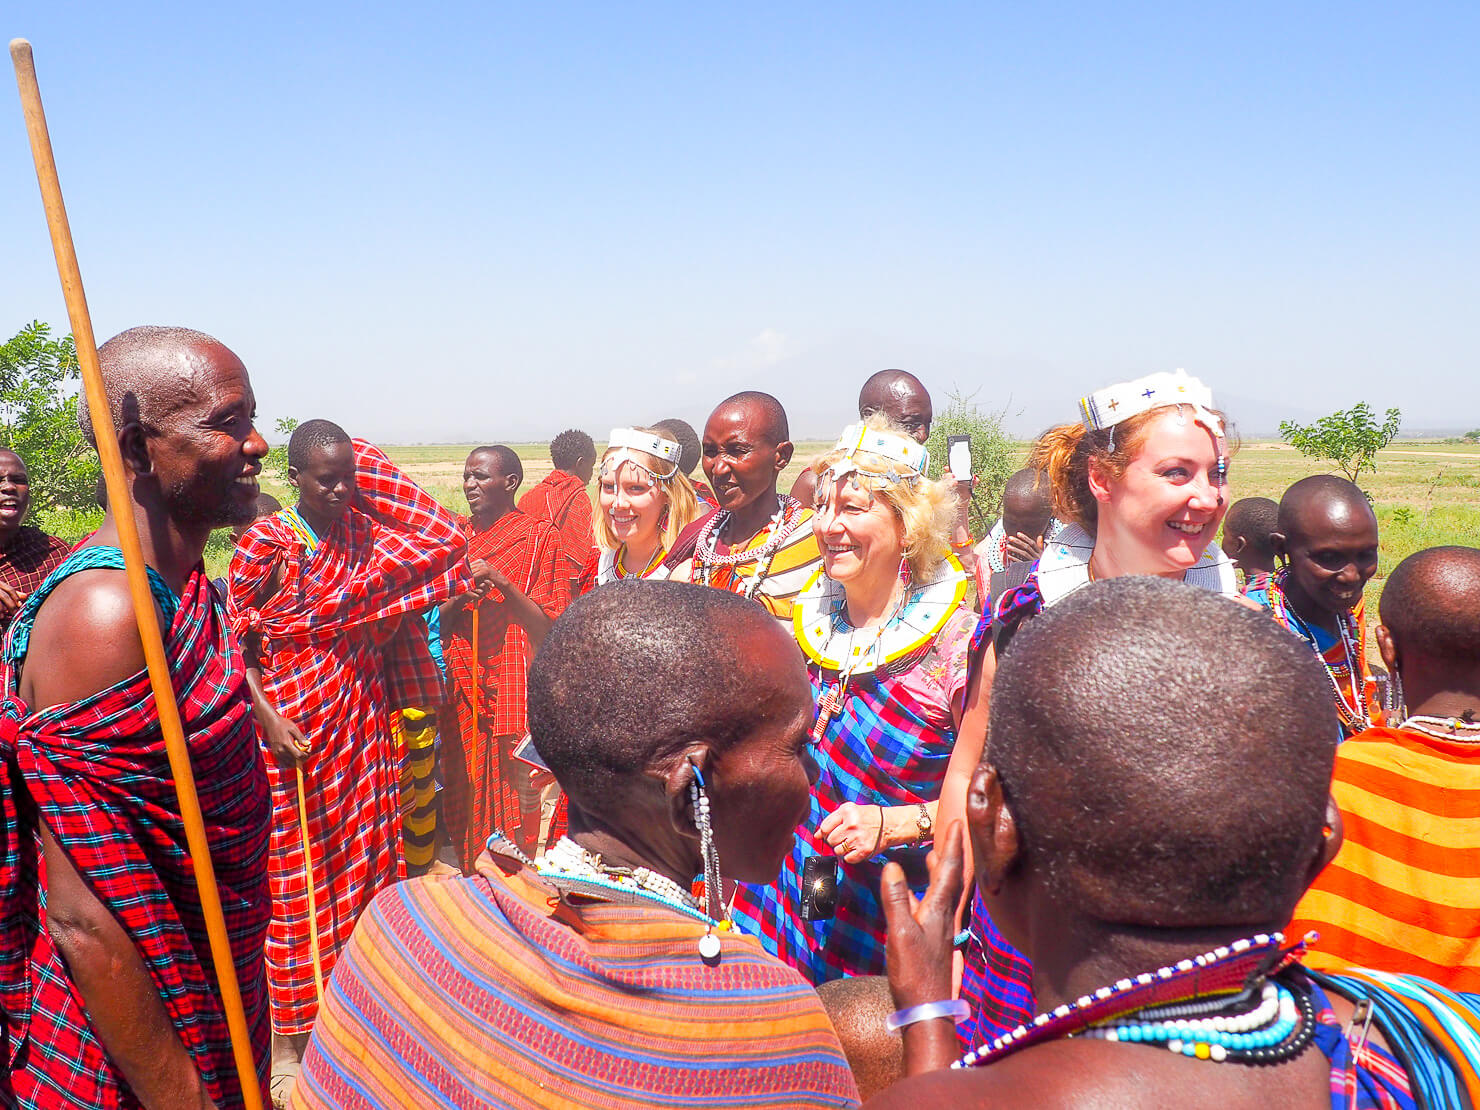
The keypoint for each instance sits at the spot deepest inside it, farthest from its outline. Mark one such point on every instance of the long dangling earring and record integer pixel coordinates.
(1397, 705)
(709, 946)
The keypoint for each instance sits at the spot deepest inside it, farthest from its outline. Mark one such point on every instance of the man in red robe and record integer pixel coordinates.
(317, 593)
(107, 987)
(27, 554)
(562, 500)
(487, 788)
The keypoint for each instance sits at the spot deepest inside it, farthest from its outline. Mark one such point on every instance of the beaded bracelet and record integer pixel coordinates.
(961, 939)
(953, 1008)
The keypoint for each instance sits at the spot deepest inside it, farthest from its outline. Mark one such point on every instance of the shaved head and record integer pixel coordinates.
(769, 417)
(1166, 755)
(899, 395)
(657, 694)
(1430, 605)
(1255, 519)
(149, 373)
(1315, 504)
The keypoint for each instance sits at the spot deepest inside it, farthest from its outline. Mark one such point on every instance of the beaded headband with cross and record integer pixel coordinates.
(1105, 408)
(628, 440)
(911, 456)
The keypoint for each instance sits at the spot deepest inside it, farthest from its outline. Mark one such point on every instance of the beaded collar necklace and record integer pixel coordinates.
(785, 521)
(568, 862)
(1445, 728)
(1222, 978)
(623, 572)
(1353, 714)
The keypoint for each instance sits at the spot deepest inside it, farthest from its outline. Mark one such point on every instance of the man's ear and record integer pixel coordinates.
(512, 482)
(783, 454)
(1279, 545)
(994, 834)
(133, 445)
(293, 476)
(1387, 649)
(682, 771)
(1233, 546)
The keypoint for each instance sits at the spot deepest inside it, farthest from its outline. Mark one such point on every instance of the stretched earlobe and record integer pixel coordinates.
(994, 834)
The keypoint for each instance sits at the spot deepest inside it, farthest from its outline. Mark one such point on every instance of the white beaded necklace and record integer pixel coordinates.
(1445, 728)
(568, 860)
(708, 558)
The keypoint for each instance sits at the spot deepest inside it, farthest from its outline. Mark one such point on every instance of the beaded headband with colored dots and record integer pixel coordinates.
(1105, 408)
(911, 456)
(628, 440)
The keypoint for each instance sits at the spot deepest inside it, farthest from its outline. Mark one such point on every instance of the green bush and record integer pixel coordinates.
(994, 457)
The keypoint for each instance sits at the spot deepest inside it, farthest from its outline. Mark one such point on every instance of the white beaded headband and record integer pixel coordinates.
(1105, 408)
(628, 440)
(856, 438)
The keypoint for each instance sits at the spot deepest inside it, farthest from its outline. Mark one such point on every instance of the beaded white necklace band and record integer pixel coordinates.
(569, 861)
(1444, 728)
(1353, 713)
(783, 523)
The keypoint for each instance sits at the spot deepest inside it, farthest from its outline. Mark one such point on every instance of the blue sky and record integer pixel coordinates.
(493, 221)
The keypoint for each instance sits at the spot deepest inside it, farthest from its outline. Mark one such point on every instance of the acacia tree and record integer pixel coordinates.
(1350, 439)
(38, 418)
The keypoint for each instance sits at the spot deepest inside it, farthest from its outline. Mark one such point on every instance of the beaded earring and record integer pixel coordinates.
(709, 946)
(1397, 705)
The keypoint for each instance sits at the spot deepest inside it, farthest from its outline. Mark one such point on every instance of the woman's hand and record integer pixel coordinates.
(919, 949)
(854, 832)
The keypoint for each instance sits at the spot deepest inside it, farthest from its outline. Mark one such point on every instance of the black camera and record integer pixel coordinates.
(819, 887)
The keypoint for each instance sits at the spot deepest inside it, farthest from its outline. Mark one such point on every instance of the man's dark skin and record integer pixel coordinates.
(1048, 907)
(194, 471)
(745, 452)
(899, 395)
(326, 490)
(1329, 535)
(1026, 513)
(490, 493)
(15, 502)
(1429, 598)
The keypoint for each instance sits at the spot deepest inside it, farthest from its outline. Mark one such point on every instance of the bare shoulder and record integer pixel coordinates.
(85, 639)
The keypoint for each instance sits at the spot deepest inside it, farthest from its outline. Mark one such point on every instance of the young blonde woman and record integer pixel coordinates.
(644, 502)
(885, 631)
(1141, 483)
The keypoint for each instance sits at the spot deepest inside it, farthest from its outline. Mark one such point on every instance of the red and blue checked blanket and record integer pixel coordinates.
(97, 773)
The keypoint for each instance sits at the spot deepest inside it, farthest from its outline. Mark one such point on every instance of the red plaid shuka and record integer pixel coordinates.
(27, 560)
(412, 680)
(323, 638)
(562, 500)
(476, 801)
(97, 773)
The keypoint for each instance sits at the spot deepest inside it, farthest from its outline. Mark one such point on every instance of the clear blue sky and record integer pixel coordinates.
(492, 221)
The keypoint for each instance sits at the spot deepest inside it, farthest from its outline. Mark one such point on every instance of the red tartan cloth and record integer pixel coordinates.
(412, 680)
(562, 500)
(324, 635)
(25, 563)
(477, 801)
(98, 774)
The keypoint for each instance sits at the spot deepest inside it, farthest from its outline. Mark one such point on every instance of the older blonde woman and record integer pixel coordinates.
(644, 502)
(885, 631)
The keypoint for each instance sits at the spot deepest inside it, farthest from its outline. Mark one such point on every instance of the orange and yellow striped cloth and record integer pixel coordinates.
(494, 991)
(1403, 894)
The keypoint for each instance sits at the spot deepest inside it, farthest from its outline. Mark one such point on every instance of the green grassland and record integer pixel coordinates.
(1425, 493)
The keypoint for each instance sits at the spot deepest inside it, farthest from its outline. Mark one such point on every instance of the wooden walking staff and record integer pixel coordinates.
(313, 905)
(138, 575)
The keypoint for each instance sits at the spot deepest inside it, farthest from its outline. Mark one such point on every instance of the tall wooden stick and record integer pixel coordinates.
(138, 575)
(476, 686)
(308, 875)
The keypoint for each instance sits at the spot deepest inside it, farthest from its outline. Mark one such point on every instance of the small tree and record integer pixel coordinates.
(1473, 435)
(277, 458)
(38, 418)
(993, 454)
(1350, 439)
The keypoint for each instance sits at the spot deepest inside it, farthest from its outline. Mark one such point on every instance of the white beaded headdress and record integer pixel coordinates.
(1105, 408)
(912, 457)
(628, 440)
